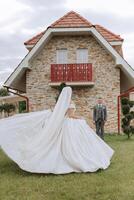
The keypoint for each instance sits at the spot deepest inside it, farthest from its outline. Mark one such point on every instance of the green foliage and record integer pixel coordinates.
(132, 129)
(22, 106)
(125, 109)
(128, 116)
(4, 92)
(1, 108)
(131, 103)
(7, 108)
(125, 121)
(124, 101)
(132, 113)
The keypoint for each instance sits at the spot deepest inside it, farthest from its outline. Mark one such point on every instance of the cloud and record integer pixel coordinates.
(120, 8)
(22, 19)
(9, 9)
(4, 74)
(44, 3)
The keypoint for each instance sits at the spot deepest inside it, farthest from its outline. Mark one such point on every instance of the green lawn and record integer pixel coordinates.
(115, 183)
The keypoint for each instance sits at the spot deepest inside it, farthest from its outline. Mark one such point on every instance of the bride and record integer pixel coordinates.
(55, 142)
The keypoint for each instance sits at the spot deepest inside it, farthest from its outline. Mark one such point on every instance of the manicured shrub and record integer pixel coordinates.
(125, 109)
(128, 115)
(131, 103)
(124, 101)
(132, 113)
(125, 121)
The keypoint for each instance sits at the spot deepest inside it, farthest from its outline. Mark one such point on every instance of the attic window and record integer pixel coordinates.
(82, 55)
(61, 55)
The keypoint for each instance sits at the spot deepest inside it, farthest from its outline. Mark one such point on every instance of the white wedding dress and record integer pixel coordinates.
(51, 142)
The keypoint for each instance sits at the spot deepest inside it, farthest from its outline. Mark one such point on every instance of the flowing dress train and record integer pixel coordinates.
(51, 142)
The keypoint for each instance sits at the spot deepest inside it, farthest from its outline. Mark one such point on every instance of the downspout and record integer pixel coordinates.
(23, 96)
(118, 114)
(118, 100)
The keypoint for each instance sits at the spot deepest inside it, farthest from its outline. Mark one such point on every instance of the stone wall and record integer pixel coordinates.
(106, 77)
(118, 48)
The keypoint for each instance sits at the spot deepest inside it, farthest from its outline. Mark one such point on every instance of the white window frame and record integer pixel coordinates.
(61, 56)
(82, 55)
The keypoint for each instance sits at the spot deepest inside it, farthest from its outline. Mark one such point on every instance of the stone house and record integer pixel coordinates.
(85, 56)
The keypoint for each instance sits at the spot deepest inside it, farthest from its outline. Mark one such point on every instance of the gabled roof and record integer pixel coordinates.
(34, 39)
(74, 20)
(108, 35)
(71, 19)
(17, 76)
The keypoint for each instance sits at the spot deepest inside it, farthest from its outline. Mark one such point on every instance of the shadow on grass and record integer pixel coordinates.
(118, 138)
(12, 169)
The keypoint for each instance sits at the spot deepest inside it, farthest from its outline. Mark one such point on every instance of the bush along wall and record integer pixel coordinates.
(128, 116)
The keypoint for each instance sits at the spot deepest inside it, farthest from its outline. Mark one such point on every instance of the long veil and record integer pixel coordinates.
(31, 145)
(48, 142)
(54, 123)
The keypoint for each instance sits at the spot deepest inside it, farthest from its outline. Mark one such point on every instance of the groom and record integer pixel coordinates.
(100, 117)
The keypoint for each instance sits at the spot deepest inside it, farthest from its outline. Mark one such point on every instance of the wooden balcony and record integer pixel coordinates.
(72, 74)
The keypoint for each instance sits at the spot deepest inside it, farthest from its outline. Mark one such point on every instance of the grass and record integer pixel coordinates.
(115, 183)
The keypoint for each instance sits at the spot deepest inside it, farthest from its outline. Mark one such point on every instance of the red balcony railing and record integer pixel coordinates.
(71, 72)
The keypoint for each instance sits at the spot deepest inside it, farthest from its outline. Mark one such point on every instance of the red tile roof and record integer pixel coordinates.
(108, 35)
(34, 39)
(73, 19)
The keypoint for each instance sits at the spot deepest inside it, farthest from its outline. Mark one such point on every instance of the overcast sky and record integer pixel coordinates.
(22, 19)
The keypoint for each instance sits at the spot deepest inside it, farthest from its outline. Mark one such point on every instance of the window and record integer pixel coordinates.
(82, 55)
(61, 56)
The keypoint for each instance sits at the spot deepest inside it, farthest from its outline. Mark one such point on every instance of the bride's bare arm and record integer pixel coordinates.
(71, 113)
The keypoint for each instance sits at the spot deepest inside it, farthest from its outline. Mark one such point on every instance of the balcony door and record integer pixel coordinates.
(61, 56)
(82, 56)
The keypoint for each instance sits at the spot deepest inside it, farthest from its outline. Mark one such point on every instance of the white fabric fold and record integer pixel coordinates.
(49, 142)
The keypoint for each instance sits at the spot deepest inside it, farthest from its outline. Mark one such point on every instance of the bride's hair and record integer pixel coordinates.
(61, 87)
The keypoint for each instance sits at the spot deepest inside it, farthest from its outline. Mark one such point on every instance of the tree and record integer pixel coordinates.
(8, 108)
(128, 129)
(4, 92)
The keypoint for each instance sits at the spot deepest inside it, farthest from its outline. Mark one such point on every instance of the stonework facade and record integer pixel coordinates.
(118, 48)
(105, 75)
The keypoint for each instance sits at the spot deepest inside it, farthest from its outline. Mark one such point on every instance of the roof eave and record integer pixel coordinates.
(48, 34)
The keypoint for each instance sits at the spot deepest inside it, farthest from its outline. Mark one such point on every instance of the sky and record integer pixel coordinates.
(22, 19)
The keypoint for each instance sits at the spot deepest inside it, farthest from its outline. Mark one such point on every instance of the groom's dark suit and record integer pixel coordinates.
(99, 117)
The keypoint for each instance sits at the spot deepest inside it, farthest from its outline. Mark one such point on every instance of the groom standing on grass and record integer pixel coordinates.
(100, 117)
